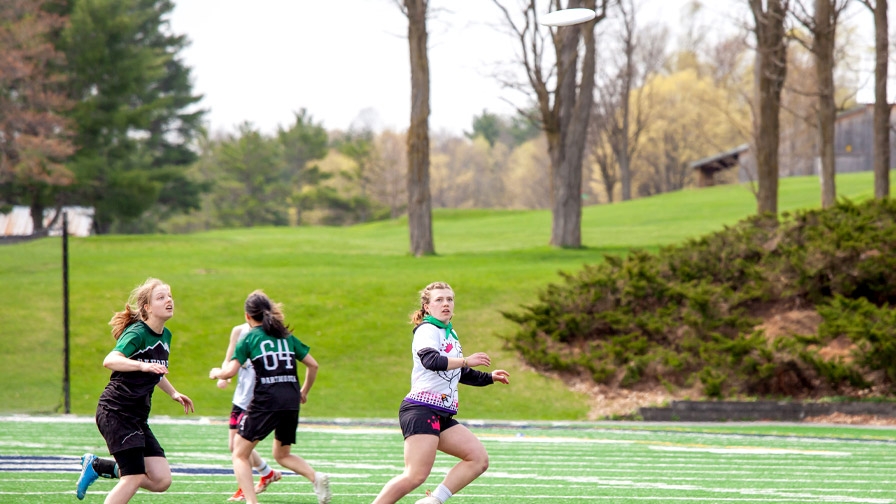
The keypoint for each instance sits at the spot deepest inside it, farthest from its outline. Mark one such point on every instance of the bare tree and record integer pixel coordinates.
(419, 197)
(527, 178)
(822, 24)
(639, 56)
(564, 92)
(601, 154)
(388, 172)
(620, 127)
(881, 106)
(771, 70)
(466, 174)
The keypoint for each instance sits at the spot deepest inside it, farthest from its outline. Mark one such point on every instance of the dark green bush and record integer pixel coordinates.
(872, 329)
(690, 312)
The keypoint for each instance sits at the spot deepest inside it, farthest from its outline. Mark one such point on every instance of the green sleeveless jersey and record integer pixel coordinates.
(275, 363)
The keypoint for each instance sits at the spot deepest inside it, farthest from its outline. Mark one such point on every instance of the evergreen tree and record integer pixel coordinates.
(302, 142)
(250, 189)
(133, 115)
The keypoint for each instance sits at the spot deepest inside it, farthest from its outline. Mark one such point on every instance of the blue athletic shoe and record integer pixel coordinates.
(88, 474)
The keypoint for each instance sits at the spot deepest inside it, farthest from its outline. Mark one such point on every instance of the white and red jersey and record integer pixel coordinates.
(436, 389)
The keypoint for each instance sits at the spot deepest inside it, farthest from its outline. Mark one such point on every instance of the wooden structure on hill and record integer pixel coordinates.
(853, 145)
(709, 167)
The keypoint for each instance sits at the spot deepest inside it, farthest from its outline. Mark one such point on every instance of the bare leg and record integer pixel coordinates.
(156, 479)
(126, 488)
(459, 442)
(290, 461)
(419, 456)
(230, 439)
(254, 459)
(242, 467)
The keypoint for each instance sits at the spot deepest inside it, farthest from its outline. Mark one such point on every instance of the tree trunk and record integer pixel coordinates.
(881, 106)
(567, 174)
(575, 102)
(827, 109)
(623, 151)
(37, 215)
(564, 119)
(419, 197)
(771, 69)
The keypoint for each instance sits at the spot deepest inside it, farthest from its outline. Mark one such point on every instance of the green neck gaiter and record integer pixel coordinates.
(449, 331)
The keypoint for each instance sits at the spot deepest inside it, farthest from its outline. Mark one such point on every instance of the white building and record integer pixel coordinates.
(18, 221)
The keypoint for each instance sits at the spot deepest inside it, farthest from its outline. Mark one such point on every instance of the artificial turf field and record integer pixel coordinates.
(603, 462)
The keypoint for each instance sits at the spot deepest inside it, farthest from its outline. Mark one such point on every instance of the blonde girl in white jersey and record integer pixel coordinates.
(427, 412)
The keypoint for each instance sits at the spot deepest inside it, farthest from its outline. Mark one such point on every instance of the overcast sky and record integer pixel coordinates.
(263, 60)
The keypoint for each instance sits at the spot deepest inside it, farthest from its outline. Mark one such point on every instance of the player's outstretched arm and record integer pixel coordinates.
(169, 389)
(117, 361)
(228, 371)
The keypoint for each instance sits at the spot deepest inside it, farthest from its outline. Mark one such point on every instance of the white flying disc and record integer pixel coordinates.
(567, 17)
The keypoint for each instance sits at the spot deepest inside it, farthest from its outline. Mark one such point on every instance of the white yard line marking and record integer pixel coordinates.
(749, 450)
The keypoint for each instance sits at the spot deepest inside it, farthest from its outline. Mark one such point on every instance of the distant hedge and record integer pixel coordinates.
(690, 314)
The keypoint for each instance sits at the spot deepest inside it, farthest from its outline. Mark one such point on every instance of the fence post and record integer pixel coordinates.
(66, 382)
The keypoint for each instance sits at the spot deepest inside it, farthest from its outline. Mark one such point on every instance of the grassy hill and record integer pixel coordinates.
(347, 293)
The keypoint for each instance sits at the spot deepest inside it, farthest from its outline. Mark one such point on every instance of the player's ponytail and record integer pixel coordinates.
(135, 308)
(260, 308)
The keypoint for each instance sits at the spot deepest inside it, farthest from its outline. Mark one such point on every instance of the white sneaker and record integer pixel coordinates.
(429, 499)
(322, 488)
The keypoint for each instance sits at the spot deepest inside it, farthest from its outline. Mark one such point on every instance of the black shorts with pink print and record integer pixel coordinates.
(419, 419)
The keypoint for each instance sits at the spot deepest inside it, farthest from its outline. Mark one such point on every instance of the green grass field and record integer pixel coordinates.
(347, 293)
(611, 462)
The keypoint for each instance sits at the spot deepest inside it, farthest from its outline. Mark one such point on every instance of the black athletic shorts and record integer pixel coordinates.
(256, 425)
(130, 462)
(236, 414)
(127, 435)
(419, 419)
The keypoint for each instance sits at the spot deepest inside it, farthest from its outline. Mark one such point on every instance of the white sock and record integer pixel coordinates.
(441, 493)
(264, 469)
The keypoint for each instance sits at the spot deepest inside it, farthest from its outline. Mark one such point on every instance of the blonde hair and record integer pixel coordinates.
(417, 315)
(135, 308)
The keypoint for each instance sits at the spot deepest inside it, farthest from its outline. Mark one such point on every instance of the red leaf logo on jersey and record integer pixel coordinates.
(449, 347)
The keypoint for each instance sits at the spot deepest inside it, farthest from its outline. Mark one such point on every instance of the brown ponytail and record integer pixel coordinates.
(260, 308)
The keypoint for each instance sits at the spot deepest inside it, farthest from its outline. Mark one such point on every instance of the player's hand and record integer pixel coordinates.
(499, 375)
(150, 367)
(185, 401)
(479, 359)
(213, 374)
(222, 383)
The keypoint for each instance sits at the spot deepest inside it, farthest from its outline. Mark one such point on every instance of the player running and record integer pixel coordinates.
(274, 352)
(139, 363)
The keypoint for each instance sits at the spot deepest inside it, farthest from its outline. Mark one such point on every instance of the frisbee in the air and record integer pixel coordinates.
(566, 17)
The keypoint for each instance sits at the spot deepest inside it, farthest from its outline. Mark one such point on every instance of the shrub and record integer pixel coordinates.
(689, 312)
